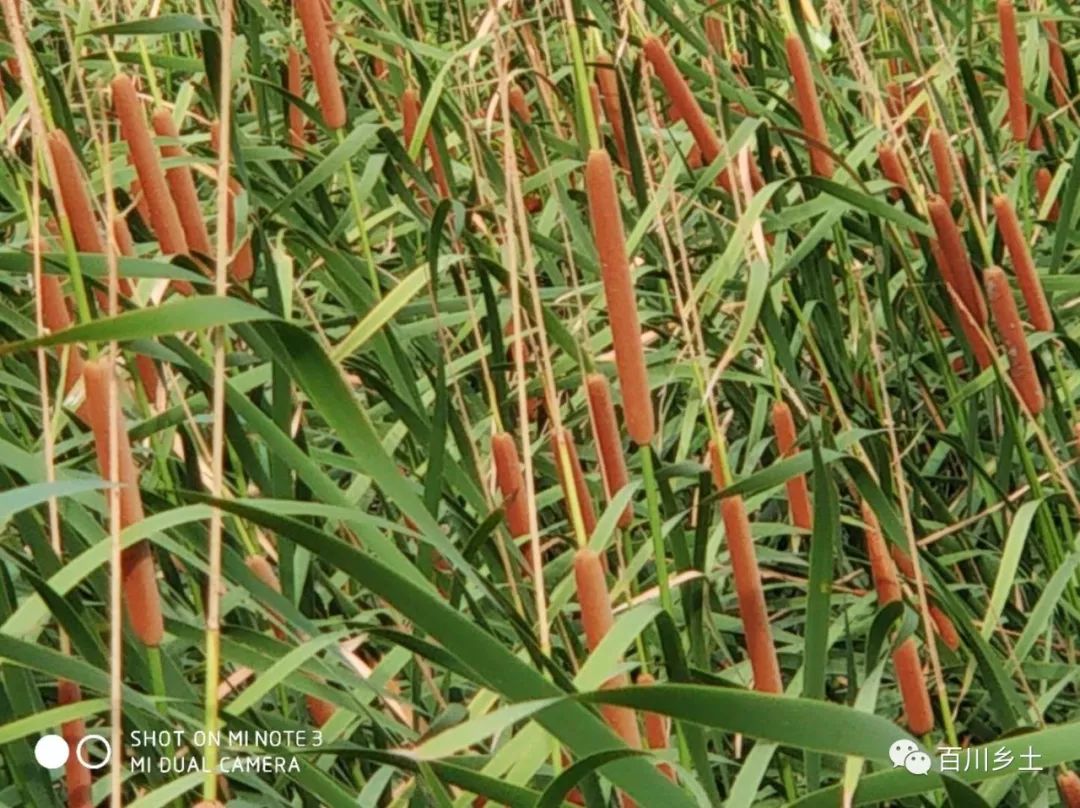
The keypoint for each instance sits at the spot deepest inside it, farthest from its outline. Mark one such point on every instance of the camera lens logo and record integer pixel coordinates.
(905, 753)
(52, 751)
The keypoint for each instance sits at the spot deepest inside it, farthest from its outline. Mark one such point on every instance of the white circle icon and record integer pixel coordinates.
(85, 761)
(51, 751)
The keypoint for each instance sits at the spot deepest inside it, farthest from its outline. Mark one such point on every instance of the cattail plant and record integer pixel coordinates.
(657, 728)
(608, 442)
(57, 316)
(410, 117)
(519, 105)
(748, 588)
(510, 482)
(320, 711)
(797, 493)
(164, 218)
(323, 68)
(607, 82)
(892, 169)
(1014, 78)
(1059, 74)
(1007, 320)
(73, 195)
(956, 258)
(181, 184)
(1068, 783)
(940, 154)
(686, 107)
(1043, 180)
(944, 628)
(138, 572)
(918, 714)
(295, 88)
(77, 776)
(806, 102)
(597, 619)
(1026, 276)
(607, 228)
(714, 33)
(563, 442)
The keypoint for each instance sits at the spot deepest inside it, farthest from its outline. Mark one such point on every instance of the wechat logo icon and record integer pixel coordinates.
(907, 754)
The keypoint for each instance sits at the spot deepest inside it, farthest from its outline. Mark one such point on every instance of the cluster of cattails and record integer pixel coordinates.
(806, 102)
(1014, 77)
(138, 571)
(320, 711)
(605, 218)
(955, 265)
(918, 714)
(1011, 328)
(410, 117)
(748, 586)
(323, 68)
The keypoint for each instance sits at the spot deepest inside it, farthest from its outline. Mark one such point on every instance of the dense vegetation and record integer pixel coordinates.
(540, 403)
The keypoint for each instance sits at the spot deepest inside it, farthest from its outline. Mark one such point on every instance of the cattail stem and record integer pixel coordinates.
(323, 68)
(806, 102)
(181, 184)
(610, 240)
(597, 619)
(1007, 319)
(1014, 78)
(940, 154)
(1026, 276)
(164, 218)
(797, 493)
(138, 571)
(510, 483)
(918, 714)
(747, 578)
(606, 430)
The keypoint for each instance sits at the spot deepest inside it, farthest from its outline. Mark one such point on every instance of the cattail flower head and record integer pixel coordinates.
(748, 588)
(657, 728)
(410, 117)
(295, 87)
(892, 169)
(608, 441)
(956, 257)
(76, 775)
(1043, 180)
(74, 196)
(563, 444)
(1014, 78)
(940, 153)
(797, 493)
(1068, 784)
(164, 218)
(1026, 276)
(181, 184)
(323, 68)
(806, 102)
(138, 572)
(1059, 75)
(510, 482)
(607, 82)
(1007, 320)
(610, 240)
(943, 626)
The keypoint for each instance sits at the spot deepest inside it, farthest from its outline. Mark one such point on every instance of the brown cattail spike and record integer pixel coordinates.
(1007, 319)
(943, 626)
(1059, 75)
(1026, 276)
(410, 118)
(748, 589)
(892, 169)
(657, 728)
(1043, 180)
(806, 102)
(139, 574)
(182, 186)
(940, 154)
(77, 775)
(1068, 784)
(73, 195)
(1014, 78)
(607, 81)
(607, 228)
(510, 482)
(563, 443)
(323, 68)
(918, 714)
(597, 620)
(606, 430)
(797, 493)
(956, 256)
(164, 218)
